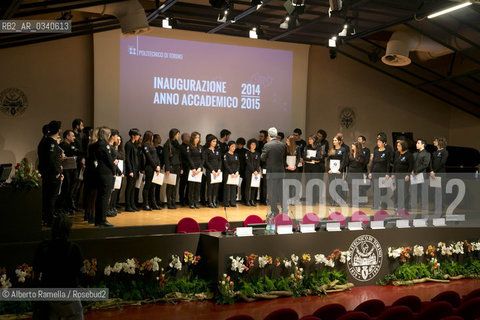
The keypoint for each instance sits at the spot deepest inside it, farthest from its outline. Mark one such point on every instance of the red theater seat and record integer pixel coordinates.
(217, 224)
(360, 216)
(435, 311)
(283, 219)
(372, 307)
(187, 225)
(448, 296)
(412, 302)
(252, 219)
(380, 215)
(337, 216)
(283, 314)
(241, 317)
(331, 311)
(396, 313)
(310, 218)
(469, 310)
(354, 315)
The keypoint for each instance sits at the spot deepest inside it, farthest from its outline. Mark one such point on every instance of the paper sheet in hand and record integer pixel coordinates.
(233, 181)
(140, 179)
(214, 179)
(436, 183)
(120, 165)
(170, 179)
(80, 175)
(417, 179)
(311, 153)
(194, 178)
(334, 165)
(384, 183)
(255, 182)
(69, 163)
(118, 183)
(291, 161)
(158, 178)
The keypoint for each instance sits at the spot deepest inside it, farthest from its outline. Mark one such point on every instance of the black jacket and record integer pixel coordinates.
(212, 160)
(252, 162)
(318, 156)
(439, 160)
(103, 156)
(49, 156)
(131, 159)
(171, 154)
(340, 154)
(422, 160)
(151, 157)
(231, 163)
(195, 157)
(403, 163)
(381, 161)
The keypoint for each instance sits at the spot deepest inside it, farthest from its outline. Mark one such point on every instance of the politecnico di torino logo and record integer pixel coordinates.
(366, 257)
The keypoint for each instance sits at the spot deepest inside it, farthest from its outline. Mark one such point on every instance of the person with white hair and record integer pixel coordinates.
(273, 154)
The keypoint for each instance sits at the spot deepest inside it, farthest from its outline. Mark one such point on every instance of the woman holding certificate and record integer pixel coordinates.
(195, 162)
(437, 167)
(213, 164)
(252, 172)
(313, 158)
(356, 166)
(293, 159)
(402, 167)
(379, 172)
(172, 158)
(231, 165)
(337, 161)
(152, 166)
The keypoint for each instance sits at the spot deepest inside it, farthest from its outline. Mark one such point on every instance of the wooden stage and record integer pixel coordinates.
(203, 215)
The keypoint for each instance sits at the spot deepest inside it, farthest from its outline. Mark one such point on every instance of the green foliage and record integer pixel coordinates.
(15, 307)
(472, 266)
(452, 268)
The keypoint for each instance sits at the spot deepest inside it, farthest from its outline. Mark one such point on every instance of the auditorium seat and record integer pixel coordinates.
(217, 224)
(474, 294)
(373, 307)
(435, 311)
(310, 318)
(396, 313)
(252, 219)
(331, 311)
(310, 218)
(403, 214)
(380, 215)
(448, 296)
(360, 216)
(241, 317)
(337, 216)
(187, 225)
(354, 315)
(412, 302)
(469, 310)
(282, 314)
(452, 318)
(283, 219)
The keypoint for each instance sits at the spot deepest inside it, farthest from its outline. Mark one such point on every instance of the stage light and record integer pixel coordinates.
(169, 23)
(257, 3)
(294, 6)
(226, 15)
(289, 22)
(255, 32)
(348, 30)
(459, 6)
(332, 42)
(335, 6)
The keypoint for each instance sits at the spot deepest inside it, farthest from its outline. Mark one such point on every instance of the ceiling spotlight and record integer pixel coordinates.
(335, 6)
(332, 42)
(295, 6)
(169, 23)
(226, 14)
(289, 22)
(348, 30)
(255, 32)
(257, 3)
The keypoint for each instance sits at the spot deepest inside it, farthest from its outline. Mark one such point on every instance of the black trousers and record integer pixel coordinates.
(229, 194)
(378, 192)
(212, 189)
(250, 193)
(130, 192)
(313, 171)
(114, 199)
(65, 199)
(340, 194)
(194, 189)
(50, 188)
(89, 194)
(104, 190)
(350, 177)
(149, 187)
(274, 187)
(183, 188)
(172, 190)
(402, 192)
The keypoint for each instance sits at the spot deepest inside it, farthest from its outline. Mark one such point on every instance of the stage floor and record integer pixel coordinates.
(203, 215)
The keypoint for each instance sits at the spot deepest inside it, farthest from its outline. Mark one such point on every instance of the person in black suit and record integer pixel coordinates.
(422, 161)
(231, 165)
(173, 160)
(50, 155)
(195, 161)
(252, 166)
(240, 152)
(380, 168)
(157, 142)
(152, 166)
(356, 166)
(274, 155)
(338, 153)
(131, 169)
(262, 139)
(213, 164)
(105, 172)
(313, 159)
(183, 190)
(322, 142)
(402, 167)
(65, 200)
(438, 166)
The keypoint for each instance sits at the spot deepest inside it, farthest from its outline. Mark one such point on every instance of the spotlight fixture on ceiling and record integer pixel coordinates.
(335, 5)
(332, 42)
(169, 23)
(66, 15)
(257, 3)
(348, 30)
(289, 22)
(295, 6)
(226, 14)
(448, 10)
(255, 32)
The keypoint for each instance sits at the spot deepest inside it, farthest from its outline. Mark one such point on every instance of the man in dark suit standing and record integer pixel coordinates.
(273, 155)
